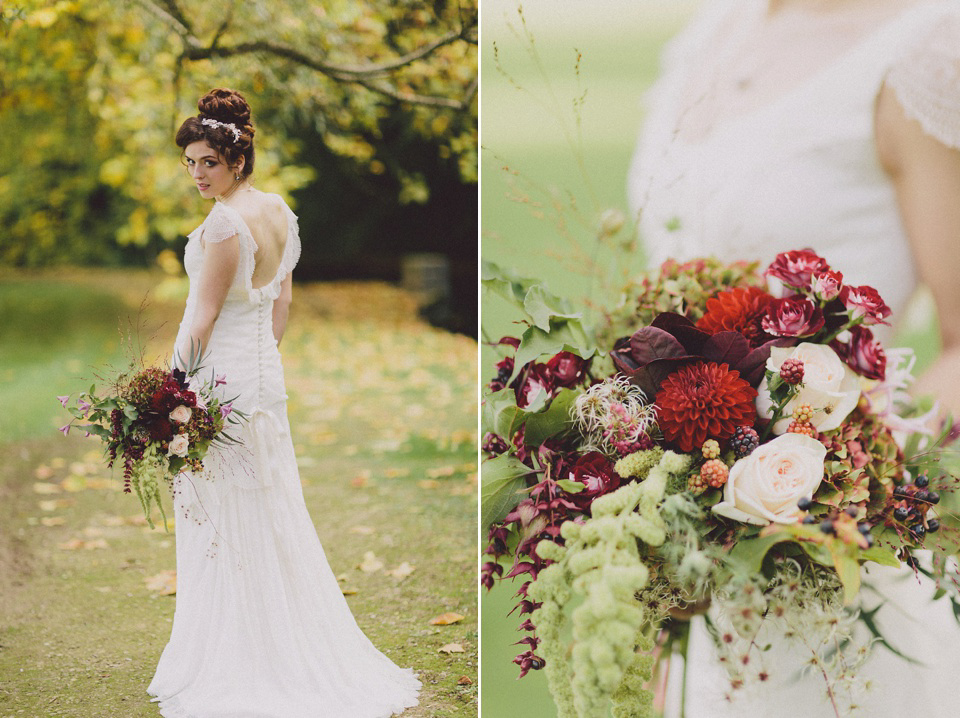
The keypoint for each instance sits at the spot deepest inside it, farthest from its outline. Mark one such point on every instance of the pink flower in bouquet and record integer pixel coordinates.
(179, 446)
(864, 353)
(793, 317)
(796, 268)
(865, 302)
(595, 472)
(826, 285)
(567, 369)
(703, 401)
(765, 486)
(181, 414)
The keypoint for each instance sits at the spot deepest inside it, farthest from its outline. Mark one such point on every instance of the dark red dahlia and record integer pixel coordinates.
(739, 310)
(703, 401)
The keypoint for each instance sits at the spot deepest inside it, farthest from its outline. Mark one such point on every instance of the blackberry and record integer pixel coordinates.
(745, 439)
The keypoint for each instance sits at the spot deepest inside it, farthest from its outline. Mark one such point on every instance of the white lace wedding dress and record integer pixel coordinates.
(759, 139)
(261, 628)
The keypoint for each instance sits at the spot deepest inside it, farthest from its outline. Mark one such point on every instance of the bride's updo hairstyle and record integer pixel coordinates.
(224, 124)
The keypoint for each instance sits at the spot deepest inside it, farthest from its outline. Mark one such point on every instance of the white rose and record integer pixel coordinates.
(179, 445)
(765, 486)
(829, 386)
(181, 414)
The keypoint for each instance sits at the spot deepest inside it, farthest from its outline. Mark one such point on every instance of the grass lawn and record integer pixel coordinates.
(384, 417)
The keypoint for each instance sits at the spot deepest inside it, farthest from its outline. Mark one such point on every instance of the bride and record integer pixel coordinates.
(833, 125)
(261, 629)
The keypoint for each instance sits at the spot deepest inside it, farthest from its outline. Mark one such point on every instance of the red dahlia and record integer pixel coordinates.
(738, 310)
(701, 401)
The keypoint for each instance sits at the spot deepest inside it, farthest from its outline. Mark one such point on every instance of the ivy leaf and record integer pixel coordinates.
(541, 305)
(571, 486)
(553, 420)
(502, 479)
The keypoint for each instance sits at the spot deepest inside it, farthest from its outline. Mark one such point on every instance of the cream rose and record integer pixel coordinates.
(765, 486)
(179, 445)
(829, 386)
(181, 414)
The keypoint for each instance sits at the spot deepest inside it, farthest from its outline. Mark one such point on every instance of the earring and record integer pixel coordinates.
(237, 177)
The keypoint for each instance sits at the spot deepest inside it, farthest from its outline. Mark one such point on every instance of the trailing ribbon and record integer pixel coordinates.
(265, 432)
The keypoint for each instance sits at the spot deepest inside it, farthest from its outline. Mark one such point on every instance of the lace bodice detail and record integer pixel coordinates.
(242, 345)
(926, 79)
(224, 222)
(802, 169)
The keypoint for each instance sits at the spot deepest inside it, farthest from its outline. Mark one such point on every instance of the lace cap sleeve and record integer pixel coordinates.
(926, 78)
(219, 224)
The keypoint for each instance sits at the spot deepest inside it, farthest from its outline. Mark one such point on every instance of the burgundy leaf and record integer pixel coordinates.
(726, 348)
(650, 343)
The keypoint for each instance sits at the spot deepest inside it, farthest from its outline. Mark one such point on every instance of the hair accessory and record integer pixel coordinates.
(209, 122)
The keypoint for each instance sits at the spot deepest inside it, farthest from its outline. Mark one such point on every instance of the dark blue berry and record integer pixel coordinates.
(809, 519)
(804, 504)
(826, 526)
(899, 492)
(852, 511)
(922, 496)
(933, 497)
(933, 525)
(918, 530)
(922, 480)
(900, 513)
(864, 528)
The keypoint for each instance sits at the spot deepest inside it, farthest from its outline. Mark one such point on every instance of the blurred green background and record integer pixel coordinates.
(562, 93)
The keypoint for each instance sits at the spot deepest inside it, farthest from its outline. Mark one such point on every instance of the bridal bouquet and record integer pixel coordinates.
(738, 437)
(156, 422)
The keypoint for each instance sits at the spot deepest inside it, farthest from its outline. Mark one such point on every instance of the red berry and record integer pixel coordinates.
(802, 427)
(714, 472)
(791, 371)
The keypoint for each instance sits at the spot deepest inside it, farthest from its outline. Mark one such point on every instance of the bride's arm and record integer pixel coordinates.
(281, 307)
(926, 175)
(220, 262)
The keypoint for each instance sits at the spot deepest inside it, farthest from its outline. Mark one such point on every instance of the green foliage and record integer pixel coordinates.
(552, 324)
(502, 480)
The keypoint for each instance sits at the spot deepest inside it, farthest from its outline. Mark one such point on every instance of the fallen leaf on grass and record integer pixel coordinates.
(441, 471)
(73, 483)
(401, 571)
(463, 490)
(360, 480)
(45, 489)
(349, 591)
(396, 473)
(103, 484)
(43, 472)
(451, 648)
(53, 521)
(464, 681)
(76, 544)
(428, 484)
(362, 530)
(445, 619)
(163, 584)
(370, 563)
